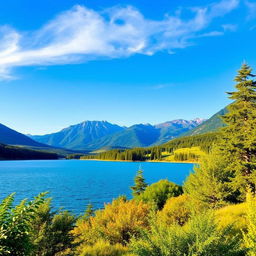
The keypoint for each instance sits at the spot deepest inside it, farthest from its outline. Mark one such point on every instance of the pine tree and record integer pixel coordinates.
(238, 138)
(209, 185)
(225, 174)
(139, 184)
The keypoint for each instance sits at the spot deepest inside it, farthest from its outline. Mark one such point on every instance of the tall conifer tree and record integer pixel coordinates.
(230, 169)
(139, 184)
(238, 138)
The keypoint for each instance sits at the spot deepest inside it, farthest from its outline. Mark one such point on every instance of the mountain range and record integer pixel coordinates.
(102, 135)
(210, 125)
(94, 135)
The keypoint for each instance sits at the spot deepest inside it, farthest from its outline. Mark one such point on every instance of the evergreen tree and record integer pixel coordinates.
(139, 184)
(225, 174)
(238, 138)
(209, 185)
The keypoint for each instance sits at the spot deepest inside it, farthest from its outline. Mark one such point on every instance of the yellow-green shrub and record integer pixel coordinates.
(200, 236)
(116, 223)
(103, 248)
(234, 215)
(158, 193)
(250, 234)
(175, 211)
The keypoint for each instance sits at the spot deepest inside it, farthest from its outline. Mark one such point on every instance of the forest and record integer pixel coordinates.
(162, 152)
(213, 213)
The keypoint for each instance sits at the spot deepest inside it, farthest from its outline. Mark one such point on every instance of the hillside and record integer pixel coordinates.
(175, 128)
(12, 137)
(17, 153)
(95, 135)
(135, 136)
(210, 125)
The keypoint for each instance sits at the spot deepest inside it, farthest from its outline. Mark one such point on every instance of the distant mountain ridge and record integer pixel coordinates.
(93, 135)
(22, 145)
(11, 137)
(173, 129)
(79, 135)
(210, 125)
(99, 135)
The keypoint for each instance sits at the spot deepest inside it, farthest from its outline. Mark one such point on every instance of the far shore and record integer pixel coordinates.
(148, 161)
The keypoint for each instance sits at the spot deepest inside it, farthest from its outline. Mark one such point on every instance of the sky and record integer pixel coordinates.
(127, 62)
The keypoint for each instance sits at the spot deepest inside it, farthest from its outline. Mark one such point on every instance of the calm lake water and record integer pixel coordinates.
(73, 184)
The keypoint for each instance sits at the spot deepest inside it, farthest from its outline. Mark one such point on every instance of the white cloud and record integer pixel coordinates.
(82, 34)
(251, 8)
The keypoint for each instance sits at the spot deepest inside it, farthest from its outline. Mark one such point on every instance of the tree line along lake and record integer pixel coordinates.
(74, 184)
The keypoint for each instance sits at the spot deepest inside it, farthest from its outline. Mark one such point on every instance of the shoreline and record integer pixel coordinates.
(148, 161)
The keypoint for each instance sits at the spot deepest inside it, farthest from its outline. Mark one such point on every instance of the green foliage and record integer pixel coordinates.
(51, 231)
(238, 138)
(156, 153)
(250, 235)
(116, 223)
(204, 142)
(104, 248)
(136, 154)
(175, 211)
(199, 237)
(74, 156)
(15, 225)
(233, 215)
(158, 193)
(224, 175)
(209, 184)
(139, 184)
(32, 229)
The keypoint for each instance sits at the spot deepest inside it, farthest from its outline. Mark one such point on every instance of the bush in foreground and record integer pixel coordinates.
(115, 224)
(158, 193)
(15, 226)
(199, 237)
(104, 248)
(175, 211)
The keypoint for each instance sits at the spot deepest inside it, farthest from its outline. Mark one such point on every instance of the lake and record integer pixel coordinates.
(73, 184)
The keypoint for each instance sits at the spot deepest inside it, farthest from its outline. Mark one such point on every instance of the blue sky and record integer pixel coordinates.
(63, 62)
